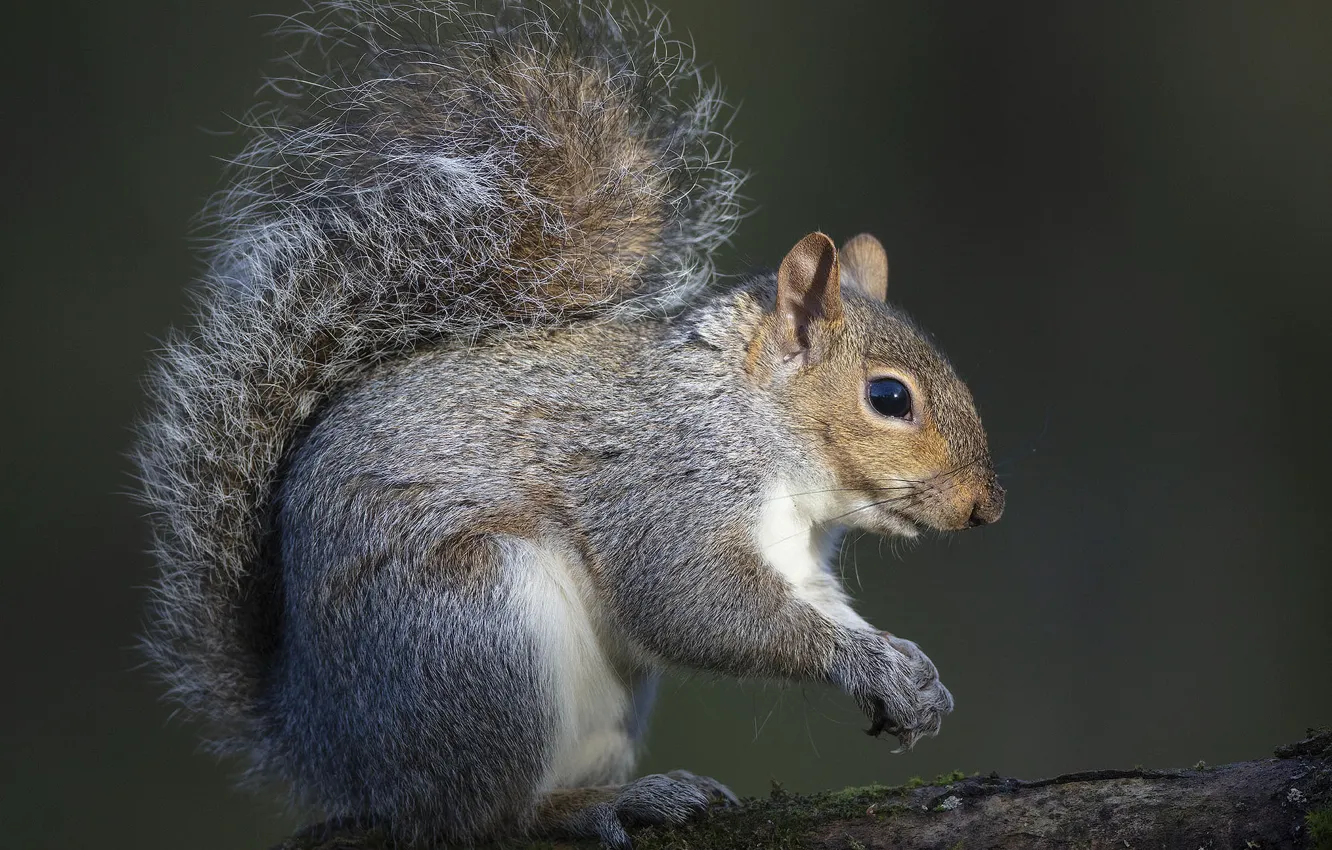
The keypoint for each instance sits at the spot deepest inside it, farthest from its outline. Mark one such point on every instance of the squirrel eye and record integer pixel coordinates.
(890, 397)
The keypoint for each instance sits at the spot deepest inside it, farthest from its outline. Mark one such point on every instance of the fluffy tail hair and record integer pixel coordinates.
(449, 173)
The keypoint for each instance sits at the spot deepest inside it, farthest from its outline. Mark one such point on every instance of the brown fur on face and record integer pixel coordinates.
(829, 335)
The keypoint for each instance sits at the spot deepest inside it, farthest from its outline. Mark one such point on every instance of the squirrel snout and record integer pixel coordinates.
(988, 508)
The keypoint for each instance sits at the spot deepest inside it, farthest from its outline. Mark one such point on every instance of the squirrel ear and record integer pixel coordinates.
(808, 289)
(867, 266)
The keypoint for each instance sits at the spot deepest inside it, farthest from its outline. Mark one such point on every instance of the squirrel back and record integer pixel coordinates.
(452, 173)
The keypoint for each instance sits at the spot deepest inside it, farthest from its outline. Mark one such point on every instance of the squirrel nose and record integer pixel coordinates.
(988, 508)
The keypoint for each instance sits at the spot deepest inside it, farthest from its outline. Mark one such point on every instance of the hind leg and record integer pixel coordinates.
(411, 700)
(608, 812)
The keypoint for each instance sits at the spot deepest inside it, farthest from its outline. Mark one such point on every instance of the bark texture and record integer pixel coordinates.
(1279, 802)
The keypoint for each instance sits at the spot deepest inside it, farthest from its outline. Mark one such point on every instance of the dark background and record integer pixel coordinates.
(1115, 218)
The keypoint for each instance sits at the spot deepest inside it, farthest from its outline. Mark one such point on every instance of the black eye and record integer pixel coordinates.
(890, 397)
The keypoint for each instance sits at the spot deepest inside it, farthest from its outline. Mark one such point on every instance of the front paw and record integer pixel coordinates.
(896, 685)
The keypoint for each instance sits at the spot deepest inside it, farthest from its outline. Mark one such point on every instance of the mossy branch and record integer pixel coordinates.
(1284, 801)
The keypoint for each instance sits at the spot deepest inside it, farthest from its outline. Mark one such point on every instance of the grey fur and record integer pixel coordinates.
(459, 327)
(660, 519)
(386, 203)
(656, 799)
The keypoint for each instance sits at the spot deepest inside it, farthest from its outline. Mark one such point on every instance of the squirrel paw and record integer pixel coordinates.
(897, 686)
(657, 799)
(717, 792)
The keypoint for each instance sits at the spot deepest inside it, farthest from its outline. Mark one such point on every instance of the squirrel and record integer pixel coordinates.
(469, 440)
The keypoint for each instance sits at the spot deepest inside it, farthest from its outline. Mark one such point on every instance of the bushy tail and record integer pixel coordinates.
(452, 172)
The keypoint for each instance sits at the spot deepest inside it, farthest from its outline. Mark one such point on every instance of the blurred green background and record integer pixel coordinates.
(1116, 218)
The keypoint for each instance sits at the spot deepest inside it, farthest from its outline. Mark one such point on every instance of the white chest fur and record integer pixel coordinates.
(797, 537)
(591, 744)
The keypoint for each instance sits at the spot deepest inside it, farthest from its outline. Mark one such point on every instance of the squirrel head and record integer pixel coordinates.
(881, 406)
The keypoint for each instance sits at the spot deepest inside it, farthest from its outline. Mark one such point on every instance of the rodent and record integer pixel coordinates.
(469, 440)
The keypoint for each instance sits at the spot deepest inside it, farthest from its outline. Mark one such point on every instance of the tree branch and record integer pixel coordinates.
(1284, 801)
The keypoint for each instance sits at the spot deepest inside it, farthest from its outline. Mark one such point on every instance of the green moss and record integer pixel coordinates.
(1319, 824)
(778, 823)
(864, 791)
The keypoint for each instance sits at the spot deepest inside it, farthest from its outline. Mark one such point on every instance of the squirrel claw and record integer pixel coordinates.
(883, 723)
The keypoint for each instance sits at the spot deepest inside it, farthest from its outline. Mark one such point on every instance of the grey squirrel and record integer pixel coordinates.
(469, 441)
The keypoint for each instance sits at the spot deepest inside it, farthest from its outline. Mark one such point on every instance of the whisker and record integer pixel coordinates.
(907, 485)
(916, 491)
(841, 516)
(759, 727)
(855, 566)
